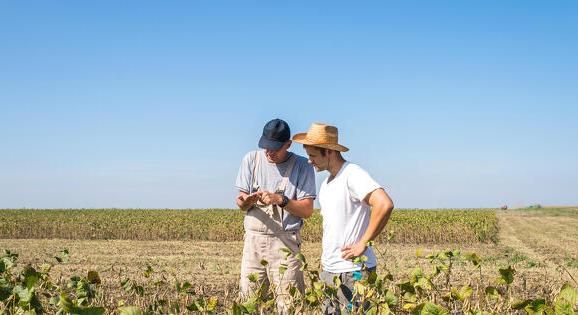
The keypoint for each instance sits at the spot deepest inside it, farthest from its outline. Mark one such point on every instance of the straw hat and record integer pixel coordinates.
(321, 135)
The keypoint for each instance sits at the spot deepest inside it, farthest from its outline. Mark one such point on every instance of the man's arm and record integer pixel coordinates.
(301, 208)
(381, 208)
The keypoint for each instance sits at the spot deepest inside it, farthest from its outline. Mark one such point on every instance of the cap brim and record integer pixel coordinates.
(302, 138)
(269, 144)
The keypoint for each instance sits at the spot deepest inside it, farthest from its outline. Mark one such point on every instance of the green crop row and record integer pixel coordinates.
(405, 226)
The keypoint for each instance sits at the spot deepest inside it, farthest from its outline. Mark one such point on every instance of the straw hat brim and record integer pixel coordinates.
(302, 138)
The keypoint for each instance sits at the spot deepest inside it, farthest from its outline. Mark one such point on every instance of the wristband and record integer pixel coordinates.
(284, 203)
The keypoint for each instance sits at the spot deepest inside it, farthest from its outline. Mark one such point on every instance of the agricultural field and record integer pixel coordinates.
(525, 260)
(223, 225)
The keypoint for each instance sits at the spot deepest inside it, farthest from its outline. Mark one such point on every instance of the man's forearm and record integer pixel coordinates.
(241, 205)
(243, 201)
(377, 222)
(300, 208)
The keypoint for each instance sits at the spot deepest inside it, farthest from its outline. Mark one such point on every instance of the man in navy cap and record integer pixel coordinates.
(276, 191)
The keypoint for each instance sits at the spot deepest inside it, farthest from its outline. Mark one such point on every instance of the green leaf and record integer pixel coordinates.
(507, 275)
(264, 262)
(45, 268)
(372, 310)
(287, 252)
(293, 291)
(424, 284)
(492, 292)
(130, 310)
(25, 295)
(388, 276)
(299, 256)
(521, 304)
(250, 305)
(183, 287)
(359, 259)
(372, 278)
(318, 285)
(433, 309)
(419, 252)
(442, 256)
(474, 259)
(465, 292)
(337, 281)
(8, 260)
(536, 307)
(148, 271)
(31, 276)
(563, 309)
(282, 268)
(406, 287)
(65, 303)
(212, 303)
(384, 309)
(54, 300)
(68, 306)
(194, 307)
(390, 299)
(415, 275)
(311, 299)
(410, 297)
(63, 257)
(83, 289)
(94, 310)
(567, 295)
(93, 277)
(409, 306)
(253, 277)
(238, 309)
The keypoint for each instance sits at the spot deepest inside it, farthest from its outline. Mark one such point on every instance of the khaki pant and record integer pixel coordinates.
(259, 247)
(264, 238)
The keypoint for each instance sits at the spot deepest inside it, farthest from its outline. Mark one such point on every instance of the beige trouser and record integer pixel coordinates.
(264, 239)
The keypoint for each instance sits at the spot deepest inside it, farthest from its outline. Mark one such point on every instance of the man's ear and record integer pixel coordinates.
(288, 144)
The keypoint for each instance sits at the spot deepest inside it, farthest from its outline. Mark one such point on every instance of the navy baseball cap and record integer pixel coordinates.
(275, 133)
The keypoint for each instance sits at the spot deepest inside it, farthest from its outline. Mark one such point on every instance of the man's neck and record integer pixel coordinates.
(334, 167)
(284, 159)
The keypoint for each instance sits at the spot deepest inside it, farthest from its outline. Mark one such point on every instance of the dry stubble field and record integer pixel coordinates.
(542, 245)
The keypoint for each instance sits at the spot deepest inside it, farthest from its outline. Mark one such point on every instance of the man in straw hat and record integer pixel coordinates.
(355, 209)
(276, 191)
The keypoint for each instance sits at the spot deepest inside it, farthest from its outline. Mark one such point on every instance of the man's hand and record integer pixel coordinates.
(350, 251)
(246, 201)
(269, 198)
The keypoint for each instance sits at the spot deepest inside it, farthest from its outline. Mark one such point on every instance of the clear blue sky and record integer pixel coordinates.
(153, 104)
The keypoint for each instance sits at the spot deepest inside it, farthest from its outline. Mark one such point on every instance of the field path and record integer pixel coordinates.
(547, 235)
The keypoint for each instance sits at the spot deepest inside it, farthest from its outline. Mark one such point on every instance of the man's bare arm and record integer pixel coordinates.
(301, 208)
(381, 208)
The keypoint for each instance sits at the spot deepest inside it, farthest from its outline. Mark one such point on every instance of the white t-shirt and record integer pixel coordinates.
(345, 216)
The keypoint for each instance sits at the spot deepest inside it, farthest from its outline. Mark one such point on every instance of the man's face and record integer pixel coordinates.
(278, 156)
(319, 162)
